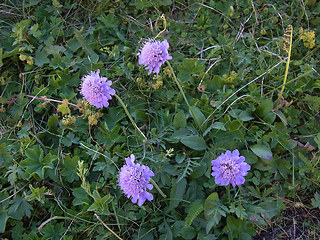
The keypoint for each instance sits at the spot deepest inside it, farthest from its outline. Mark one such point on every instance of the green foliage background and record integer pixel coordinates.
(229, 60)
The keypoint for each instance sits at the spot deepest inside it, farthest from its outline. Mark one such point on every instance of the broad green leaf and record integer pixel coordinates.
(316, 200)
(3, 220)
(5, 156)
(262, 151)
(194, 142)
(70, 168)
(80, 197)
(189, 233)
(264, 108)
(199, 117)
(35, 163)
(41, 58)
(219, 126)
(70, 139)
(179, 120)
(195, 209)
(19, 208)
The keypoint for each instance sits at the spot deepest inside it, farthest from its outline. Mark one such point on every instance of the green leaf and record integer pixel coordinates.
(195, 209)
(264, 108)
(70, 139)
(219, 126)
(179, 120)
(177, 192)
(316, 200)
(199, 117)
(194, 142)
(3, 220)
(19, 208)
(85, 47)
(80, 197)
(53, 231)
(70, 168)
(35, 163)
(239, 210)
(40, 58)
(5, 156)
(37, 193)
(100, 205)
(262, 151)
(1, 54)
(188, 233)
(52, 123)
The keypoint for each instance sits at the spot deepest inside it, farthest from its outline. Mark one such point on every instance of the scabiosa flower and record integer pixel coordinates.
(96, 89)
(153, 54)
(134, 181)
(229, 167)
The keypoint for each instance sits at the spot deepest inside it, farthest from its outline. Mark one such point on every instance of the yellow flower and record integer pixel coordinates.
(308, 38)
(22, 57)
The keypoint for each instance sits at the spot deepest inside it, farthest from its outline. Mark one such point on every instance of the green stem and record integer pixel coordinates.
(129, 116)
(228, 194)
(157, 187)
(182, 92)
(164, 24)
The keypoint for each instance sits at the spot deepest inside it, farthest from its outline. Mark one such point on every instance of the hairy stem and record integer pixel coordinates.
(157, 187)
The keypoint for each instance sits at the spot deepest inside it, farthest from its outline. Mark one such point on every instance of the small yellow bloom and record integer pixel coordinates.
(23, 57)
(308, 38)
(92, 120)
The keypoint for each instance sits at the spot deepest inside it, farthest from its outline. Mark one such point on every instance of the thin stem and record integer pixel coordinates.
(228, 193)
(288, 63)
(106, 226)
(44, 98)
(157, 187)
(129, 116)
(182, 92)
(165, 26)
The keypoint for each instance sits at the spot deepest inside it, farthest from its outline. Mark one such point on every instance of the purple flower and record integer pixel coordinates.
(153, 54)
(134, 181)
(96, 89)
(229, 167)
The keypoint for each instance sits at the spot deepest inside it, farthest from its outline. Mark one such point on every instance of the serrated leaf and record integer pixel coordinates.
(40, 58)
(85, 47)
(35, 163)
(19, 208)
(70, 168)
(194, 142)
(262, 151)
(177, 192)
(5, 155)
(179, 120)
(195, 209)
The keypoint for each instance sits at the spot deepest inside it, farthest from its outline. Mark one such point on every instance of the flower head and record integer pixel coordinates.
(229, 167)
(134, 181)
(96, 89)
(153, 54)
